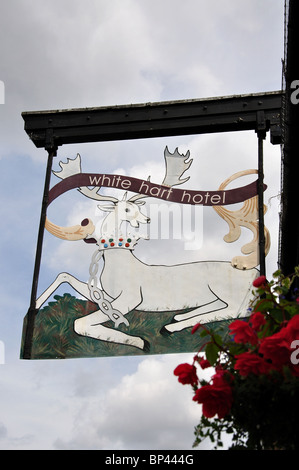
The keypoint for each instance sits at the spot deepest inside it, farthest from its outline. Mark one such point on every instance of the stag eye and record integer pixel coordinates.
(127, 210)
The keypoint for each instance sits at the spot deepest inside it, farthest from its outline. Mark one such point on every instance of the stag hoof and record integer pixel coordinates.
(165, 332)
(147, 346)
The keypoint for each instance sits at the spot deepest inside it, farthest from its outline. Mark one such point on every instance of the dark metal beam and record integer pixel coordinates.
(171, 118)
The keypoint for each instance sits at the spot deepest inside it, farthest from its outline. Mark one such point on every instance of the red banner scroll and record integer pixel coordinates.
(182, 196)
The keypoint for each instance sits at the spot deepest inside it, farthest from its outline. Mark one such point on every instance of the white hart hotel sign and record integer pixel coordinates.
(128, 307)
(123, 305)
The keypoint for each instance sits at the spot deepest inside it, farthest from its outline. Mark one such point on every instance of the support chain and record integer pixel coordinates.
(97, 295)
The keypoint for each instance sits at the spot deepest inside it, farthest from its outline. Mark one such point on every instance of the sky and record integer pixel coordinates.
(72, 54)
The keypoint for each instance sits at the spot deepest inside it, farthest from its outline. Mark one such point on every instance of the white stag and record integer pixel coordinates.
(213, 290)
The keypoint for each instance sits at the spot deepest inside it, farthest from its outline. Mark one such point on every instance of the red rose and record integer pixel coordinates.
(291, 331)
(222, 374)
(250, 363)
(257, 320)
(216, 398)
(204, 363)
(243, 332)
(186, 374)
(260, 281)
(276, 348)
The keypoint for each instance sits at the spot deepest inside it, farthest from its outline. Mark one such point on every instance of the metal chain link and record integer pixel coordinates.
(97, 295)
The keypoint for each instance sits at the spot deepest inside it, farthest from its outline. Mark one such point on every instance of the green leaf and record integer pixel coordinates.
(217, 339)
(212, 351)
(204, 333)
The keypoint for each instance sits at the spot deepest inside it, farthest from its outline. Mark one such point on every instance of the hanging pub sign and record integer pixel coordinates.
(125, 306)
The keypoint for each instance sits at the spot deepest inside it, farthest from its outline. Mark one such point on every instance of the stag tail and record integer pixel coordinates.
(247, 217)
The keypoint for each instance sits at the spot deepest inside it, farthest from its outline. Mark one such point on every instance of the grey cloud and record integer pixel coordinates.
(3, 431)
(146, 409)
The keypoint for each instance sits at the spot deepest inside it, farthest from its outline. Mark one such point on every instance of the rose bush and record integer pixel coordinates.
(253, 394)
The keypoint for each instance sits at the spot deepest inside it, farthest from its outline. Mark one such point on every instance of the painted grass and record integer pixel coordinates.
(54, 336)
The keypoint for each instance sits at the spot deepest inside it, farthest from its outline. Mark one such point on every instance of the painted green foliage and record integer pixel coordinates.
(54, 336)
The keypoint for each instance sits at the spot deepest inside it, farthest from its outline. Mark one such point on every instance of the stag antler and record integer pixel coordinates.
(176, 165)
(136, 197)
(73, 167)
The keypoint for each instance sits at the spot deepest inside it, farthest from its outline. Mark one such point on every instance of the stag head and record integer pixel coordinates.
(123, 211)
